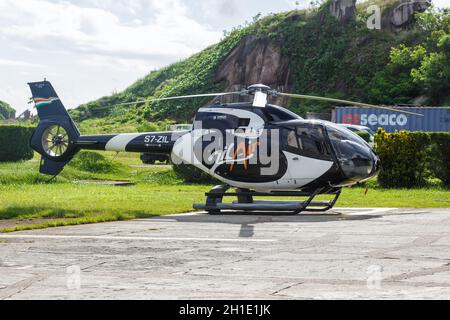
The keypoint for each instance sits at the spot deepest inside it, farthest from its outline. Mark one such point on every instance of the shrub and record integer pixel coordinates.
(93, 162)
(189, 173)
(15, 143)
(408, 159)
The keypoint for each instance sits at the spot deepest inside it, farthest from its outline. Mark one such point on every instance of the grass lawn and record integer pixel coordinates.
(79, 203)
(23, 196)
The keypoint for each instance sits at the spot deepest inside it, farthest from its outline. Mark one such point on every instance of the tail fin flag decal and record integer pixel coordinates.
(44, 95)
(39, 102)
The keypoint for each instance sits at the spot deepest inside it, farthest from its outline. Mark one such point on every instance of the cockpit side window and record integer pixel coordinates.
(308, 141)
(292, 139)
(312, 140)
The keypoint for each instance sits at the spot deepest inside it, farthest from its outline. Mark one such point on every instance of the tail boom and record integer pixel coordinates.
(152, 142)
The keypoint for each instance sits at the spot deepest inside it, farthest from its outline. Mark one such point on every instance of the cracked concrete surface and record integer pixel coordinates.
(348, 254)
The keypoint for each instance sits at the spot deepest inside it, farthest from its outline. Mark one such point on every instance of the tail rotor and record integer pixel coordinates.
(55, 141)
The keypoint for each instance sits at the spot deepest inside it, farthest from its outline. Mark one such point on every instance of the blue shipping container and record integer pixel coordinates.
(435, 119)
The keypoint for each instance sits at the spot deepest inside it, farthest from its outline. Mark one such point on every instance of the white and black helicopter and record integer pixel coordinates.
(260, 149)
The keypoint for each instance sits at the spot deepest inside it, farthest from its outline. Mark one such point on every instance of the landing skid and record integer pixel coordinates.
(245, 203)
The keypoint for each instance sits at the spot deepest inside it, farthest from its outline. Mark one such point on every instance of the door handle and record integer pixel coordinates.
(295, 159)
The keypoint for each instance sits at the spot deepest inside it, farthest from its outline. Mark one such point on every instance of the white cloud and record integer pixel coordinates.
(92, 47)
(16, 63)
(64, 26)
(441, 3)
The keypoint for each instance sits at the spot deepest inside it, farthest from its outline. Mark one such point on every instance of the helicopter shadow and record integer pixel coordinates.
(248, 221)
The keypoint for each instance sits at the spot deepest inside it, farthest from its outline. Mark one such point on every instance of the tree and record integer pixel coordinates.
(420, 70)
(6, 111)
(434, 71)
(394, 83)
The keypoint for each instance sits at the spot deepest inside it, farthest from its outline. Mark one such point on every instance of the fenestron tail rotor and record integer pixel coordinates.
(55, 141)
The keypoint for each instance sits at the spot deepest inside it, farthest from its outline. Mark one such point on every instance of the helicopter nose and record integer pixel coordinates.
(360, 166)
(357, 160)
(373, 168)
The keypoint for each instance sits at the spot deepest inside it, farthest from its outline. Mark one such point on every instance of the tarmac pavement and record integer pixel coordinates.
(345, 254)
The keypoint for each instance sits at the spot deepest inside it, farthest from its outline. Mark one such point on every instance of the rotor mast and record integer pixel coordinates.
(260, 93)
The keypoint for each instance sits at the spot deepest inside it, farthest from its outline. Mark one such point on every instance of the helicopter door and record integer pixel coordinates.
(307, 152)
(291, 150)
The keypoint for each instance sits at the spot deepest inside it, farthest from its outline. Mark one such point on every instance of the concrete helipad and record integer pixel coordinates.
(357, 253)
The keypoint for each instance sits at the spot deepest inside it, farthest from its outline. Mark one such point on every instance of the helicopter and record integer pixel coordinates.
(257, 148)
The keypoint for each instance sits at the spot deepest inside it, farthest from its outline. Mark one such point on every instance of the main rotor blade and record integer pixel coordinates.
(181, 97)
(353, 103)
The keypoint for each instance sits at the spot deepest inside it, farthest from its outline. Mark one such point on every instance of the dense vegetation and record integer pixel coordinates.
(420, 67)
(15, 142)
(328, 58)
(6, 111)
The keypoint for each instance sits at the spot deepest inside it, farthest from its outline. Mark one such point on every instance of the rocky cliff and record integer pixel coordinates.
(343, 10)
(401, 16)
(255, 60)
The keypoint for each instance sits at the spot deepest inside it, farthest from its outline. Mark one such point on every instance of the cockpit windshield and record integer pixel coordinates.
(342, 131)
(355, 156)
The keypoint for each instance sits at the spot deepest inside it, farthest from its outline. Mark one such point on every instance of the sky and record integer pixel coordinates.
(92, 48)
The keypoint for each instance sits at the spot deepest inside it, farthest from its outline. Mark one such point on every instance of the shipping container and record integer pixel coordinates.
(435, 119)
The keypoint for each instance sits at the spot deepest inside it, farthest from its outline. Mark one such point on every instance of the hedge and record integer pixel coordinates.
(410, 159)
(440, 163)
(15, 143)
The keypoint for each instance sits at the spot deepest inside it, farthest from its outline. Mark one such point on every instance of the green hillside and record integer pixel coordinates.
(326, 58)
(6, 111)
